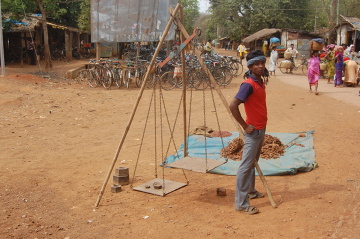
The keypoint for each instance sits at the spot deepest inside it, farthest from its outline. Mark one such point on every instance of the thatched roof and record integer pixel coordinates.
(260, 34)
(354, 22)
(26, 24)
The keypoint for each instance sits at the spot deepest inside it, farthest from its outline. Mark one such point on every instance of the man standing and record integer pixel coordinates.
(252, 94)
(208, 47)
(241, 49)
(293, 53)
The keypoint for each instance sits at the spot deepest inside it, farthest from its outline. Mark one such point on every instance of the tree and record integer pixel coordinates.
(243, 17)
(191, 13)
(48, 63)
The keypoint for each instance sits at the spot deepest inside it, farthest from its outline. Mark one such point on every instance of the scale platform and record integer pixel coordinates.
(152, 187)
(196, 164)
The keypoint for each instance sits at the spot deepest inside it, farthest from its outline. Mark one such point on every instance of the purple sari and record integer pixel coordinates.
(339, 66)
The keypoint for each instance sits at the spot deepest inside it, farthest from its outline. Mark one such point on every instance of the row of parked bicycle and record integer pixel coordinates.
(131, 73)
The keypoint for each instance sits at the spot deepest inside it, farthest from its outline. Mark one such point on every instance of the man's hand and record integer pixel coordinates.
(249, 129)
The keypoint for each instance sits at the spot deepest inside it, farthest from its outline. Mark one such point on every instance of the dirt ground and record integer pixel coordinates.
(58, 140)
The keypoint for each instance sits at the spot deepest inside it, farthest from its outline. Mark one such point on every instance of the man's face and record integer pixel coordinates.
(292, 46)
(258, 68)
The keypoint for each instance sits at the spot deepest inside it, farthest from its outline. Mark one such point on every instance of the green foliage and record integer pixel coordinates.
(243, 17)
(84, 21)
(191, 13)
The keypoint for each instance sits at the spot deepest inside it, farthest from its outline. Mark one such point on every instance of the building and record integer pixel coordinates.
(299, 38)
(348, 32)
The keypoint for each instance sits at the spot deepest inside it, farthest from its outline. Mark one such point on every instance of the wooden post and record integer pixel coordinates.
(217, 88)
(182, 39)
(166, 30)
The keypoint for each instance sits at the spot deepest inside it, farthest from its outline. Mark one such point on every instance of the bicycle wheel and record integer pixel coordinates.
(202, 80)
(55, 55)
(106, 79)
(140, 75)
(283, 66)
(92, 79)
(127, 78)
(227, 76)
(167, 80)
(118, 77)
(82, 76)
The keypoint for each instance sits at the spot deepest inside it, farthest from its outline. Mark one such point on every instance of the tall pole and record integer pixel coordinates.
(2, 59)
(337, 12)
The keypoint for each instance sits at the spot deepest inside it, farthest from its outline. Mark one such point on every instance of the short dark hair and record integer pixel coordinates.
(292, 44)
(253, 54)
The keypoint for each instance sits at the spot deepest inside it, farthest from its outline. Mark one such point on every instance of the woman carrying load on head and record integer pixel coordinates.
(330, 62)
(314, 71)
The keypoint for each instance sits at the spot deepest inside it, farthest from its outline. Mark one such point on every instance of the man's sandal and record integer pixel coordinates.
(256, 195)
(249, 210)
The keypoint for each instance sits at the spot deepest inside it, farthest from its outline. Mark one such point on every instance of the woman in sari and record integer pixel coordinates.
(330, 62)
(351, 73)
(339, 66)
(314, 71)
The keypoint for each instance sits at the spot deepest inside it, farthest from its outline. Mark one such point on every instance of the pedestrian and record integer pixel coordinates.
(229, 45)
(314, 71)
(252, 94)
(330, 62)
(241, 49)
(339, 68)
(293, 53)
(208, 47)
(31, 52)
(273, 59)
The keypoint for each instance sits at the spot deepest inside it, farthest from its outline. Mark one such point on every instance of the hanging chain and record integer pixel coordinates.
(141, 142)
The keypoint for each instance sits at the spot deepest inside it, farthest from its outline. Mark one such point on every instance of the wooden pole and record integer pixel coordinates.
(213, 82)
(217, 88)
(182, 38)
(166, 30)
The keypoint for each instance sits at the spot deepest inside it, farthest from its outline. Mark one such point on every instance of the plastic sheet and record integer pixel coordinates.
(298, 157)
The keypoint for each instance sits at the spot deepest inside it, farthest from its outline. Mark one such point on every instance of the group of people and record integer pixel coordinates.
(339, 62)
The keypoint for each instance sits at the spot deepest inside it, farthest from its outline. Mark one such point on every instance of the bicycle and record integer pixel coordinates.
(294, 65)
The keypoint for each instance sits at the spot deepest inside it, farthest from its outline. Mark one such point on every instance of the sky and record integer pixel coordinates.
(203, 5)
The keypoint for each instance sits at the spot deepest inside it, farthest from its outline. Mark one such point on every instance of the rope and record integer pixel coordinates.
(155, 141)
(217, 120)
(161, 132)
(206, 158)
(172, 130)
(141, 142)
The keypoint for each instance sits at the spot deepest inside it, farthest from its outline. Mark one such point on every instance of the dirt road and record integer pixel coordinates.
(58, 140)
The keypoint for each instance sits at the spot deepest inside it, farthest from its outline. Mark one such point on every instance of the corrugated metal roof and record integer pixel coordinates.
(354, 22)
(260, 34)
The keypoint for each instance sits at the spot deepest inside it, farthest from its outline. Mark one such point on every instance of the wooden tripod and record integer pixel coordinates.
(197, 52)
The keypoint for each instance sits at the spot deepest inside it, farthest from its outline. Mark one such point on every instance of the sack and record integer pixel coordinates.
(286, 64)
(178, 71)
(287, 55)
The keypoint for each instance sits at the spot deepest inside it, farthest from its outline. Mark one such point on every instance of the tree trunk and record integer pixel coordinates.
(48, 63)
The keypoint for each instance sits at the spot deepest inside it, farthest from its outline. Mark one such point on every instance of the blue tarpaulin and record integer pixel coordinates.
(299, 156)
